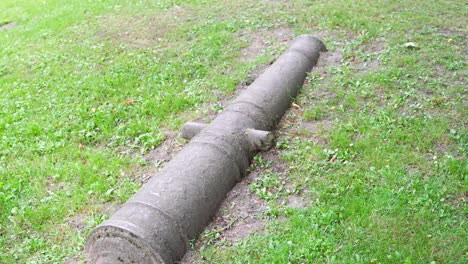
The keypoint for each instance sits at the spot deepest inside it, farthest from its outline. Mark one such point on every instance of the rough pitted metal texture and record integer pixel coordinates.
(157, 223)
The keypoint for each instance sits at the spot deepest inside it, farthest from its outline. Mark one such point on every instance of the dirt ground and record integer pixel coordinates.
(7, 25)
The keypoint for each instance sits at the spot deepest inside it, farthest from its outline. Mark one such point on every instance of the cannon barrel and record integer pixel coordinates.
(156, 224)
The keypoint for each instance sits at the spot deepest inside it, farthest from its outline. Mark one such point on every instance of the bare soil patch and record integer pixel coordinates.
(157, 158)
(328, 59)
(143, 31)
(317, 127)
(262, 39)
(452, 31)
(7, 25)
(458, 201)
(77, 221)
(297, 201)
(371, 50)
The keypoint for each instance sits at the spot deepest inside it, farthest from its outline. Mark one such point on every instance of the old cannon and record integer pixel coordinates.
(156, 224)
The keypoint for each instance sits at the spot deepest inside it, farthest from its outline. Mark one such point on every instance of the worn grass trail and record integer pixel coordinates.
(376, 145)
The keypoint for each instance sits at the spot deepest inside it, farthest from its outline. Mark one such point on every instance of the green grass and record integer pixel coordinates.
(88, 87)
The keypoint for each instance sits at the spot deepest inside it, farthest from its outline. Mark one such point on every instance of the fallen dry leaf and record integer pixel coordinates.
(410, 45)
(295, 105)
(339, 248)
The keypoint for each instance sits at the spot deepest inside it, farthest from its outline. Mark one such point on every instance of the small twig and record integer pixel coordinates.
(229, 225)
(338, 249)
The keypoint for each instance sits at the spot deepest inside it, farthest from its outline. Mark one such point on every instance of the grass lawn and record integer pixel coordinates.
(376, 143)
